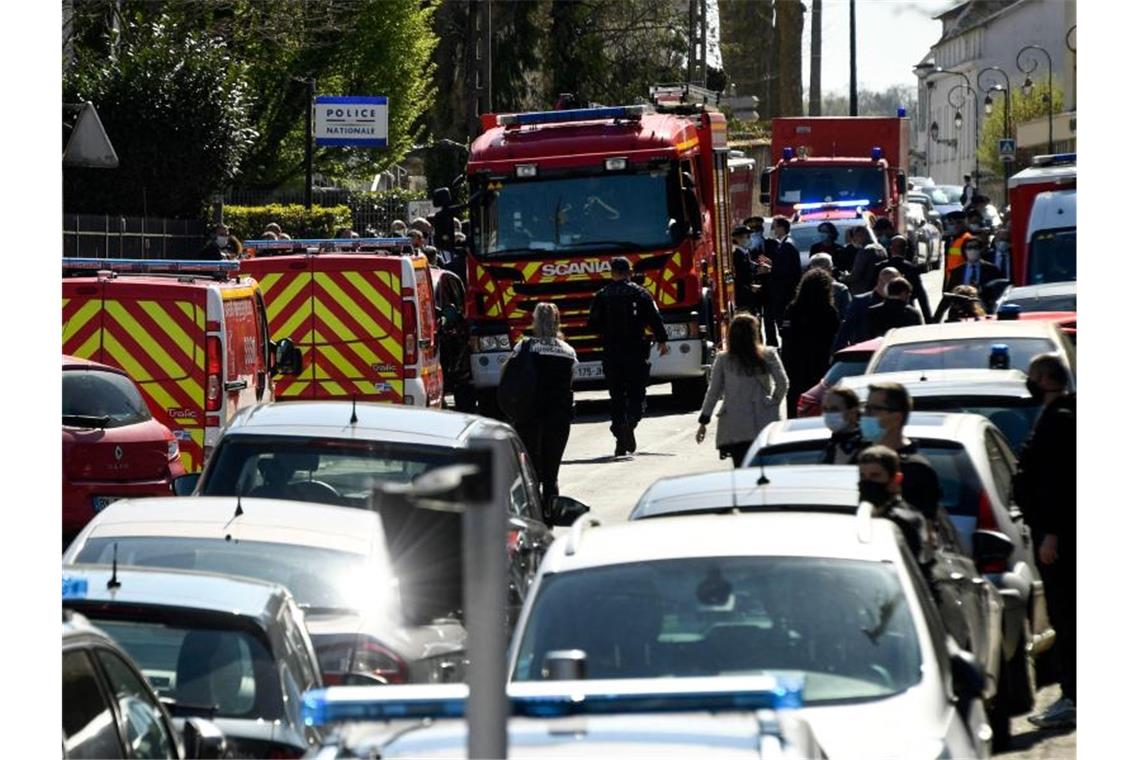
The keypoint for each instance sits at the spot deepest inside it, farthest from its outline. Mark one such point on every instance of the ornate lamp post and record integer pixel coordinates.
(1028, 59)
(958, 113)
(989, 105)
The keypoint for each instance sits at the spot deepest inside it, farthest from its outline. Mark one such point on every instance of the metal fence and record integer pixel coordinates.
(132, 237)
(368, 211)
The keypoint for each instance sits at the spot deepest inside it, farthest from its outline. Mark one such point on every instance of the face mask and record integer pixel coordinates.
(870, 428)
(973, 254)
(1035, 390)
(876, 493)
(834, 421)
(221, 240)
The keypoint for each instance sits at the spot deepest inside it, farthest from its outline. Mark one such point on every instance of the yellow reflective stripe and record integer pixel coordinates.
(160, 357)
(168, 325)
(192, 389)
(348, 304)
(229, 293)
(687, 144)
(300, 315)
(333, 388)
(330, 320)
(275, 302)
(295, 388)
(90, 346)
(188, 310)
(80, 318)
(530, 269)
(338, 361)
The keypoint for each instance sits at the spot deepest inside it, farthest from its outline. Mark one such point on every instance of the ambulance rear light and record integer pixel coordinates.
(154, 266)
(633, 113)
(526, 170)
(213, 373)
(411, 345)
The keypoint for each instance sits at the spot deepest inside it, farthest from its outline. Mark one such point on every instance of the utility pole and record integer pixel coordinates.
(490, 90)
(691, 58)
(312, 87)
(704, 43)
(814, 96)
(854, 95)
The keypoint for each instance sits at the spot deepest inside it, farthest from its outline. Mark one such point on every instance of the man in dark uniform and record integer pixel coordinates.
(621, 313)
(897, 257)
(894, 311)
(886, 411)
(880, 485)
(744, 273)
(784, 278)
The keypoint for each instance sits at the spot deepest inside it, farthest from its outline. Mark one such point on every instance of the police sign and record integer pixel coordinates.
(1007, 149)
(358, 121)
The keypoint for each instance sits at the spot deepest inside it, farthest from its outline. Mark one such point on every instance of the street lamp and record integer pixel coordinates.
(957, 106)
(989, 104)
(957, 120)
(1031, 55)
(1007, 165)
(952, 142)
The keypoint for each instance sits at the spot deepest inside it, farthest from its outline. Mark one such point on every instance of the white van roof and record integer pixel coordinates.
(1053, 209)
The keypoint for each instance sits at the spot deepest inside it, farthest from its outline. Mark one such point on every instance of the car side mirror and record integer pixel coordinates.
(991, 546)
(288, 358)
(566, 511)
(766, 186)
(202, 739)
(184, 485)
(966, 673)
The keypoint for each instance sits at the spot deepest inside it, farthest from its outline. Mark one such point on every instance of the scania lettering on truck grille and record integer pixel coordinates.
(563, 269)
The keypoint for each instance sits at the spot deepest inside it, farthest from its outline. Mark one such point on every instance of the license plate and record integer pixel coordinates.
(588, 371)
(100, 502)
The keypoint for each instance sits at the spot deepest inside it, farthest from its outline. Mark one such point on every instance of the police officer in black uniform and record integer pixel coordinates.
(620, 313)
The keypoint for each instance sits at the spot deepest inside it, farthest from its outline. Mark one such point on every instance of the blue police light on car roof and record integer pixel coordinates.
(74, 588)
(547, 699)
(831, 204)
(572, 114)
(150, 265)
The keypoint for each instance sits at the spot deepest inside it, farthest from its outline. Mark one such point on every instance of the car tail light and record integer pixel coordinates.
(986, 521)
(410, 344)
(806, 407)
(514, 538)
(362, 655)
(213, 374)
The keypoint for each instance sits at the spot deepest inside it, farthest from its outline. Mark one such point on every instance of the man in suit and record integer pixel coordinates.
(999, 251)
(854, 328)
(744, 273)
(976, 271)
(785, 274)
(898, 257)
(894, 311)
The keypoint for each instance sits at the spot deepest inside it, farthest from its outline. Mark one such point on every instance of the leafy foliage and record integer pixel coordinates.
(881, 103)
(1021, 109)
(248, 222)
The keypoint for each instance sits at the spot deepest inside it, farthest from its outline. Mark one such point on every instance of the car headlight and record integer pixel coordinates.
(677, 330)
(494, 342)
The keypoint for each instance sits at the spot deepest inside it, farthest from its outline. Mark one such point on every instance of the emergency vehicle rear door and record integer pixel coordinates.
(287, 289)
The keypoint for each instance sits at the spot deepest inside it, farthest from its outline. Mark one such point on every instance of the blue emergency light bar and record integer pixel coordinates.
(830, 204)
(158, 266)
(876, 153)
(572, 114)
(550, 699)
(788, 153)
(286, 245)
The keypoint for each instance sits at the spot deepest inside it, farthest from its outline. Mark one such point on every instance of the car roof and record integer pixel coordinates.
(75, 362)
(375, 422)
(187, 589)
(807, 485)
(1041, 289)
(983, 328)
(783, 534)
(946, 426)
(946, 382)
(321, 526)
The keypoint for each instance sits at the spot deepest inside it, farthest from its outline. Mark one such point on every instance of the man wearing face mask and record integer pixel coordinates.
(976, 272)
(841, 416)
(880, 484)
(956, 235)
(1045, 487)
(828, 237)
(884, 415)
(998, 254)
(221, 246)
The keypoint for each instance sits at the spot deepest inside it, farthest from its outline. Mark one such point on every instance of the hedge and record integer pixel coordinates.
(248, 222)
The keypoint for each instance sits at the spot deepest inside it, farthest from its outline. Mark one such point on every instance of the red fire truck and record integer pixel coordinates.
(555, 195)
(857, 161)
(1055, 238)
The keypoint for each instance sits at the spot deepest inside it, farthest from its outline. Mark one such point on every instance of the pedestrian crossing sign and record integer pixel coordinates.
(1007, 148)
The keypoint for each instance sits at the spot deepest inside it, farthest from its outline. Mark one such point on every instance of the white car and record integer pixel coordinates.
(964, 345)
(334, 560)
(835, 598)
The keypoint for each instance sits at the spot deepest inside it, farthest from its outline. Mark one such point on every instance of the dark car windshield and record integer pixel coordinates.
(964, 353)
(228, 669)
(600, 212)
(318, 578)
(957, 476)
(1053, 256)
(845, 624)
(329, 471)
(1013, 417)
(825, 184)
(97, 398)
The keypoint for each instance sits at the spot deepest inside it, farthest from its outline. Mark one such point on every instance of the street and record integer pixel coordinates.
(667, 447)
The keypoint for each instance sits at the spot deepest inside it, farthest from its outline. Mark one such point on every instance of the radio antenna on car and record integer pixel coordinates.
(352, 420)
(114, 582)
(238, 512)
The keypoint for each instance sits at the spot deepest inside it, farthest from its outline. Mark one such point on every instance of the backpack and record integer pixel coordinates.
(518, 383)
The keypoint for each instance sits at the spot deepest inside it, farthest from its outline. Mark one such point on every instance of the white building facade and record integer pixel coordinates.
(976, 35)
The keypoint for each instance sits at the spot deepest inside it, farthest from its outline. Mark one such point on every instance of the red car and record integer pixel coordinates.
(112, 447)
(844, 362)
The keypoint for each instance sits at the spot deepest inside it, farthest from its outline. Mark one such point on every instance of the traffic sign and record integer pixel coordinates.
(1007, 149)
(357, 121)
(424, 208)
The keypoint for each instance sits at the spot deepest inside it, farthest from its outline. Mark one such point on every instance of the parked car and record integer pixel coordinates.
(334, 560)
(723, 595)
(924, 237)
(917, 181)
(975, 471)
(972, 612)
(946, 198)
(112, 447)
(923, 200)
(109, 709)
(964, 345)
(999, 395)
(1048, 296)
(340, 452)
(851, 360)
(231, 648)
(805, 234)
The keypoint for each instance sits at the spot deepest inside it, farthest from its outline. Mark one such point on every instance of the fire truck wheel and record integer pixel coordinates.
(690, 393)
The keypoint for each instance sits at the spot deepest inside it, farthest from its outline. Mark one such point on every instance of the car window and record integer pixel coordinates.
(1013, 417)
(999, 467)
(301, 657)
(845, 624)
(145, 728)
(961, 353)
(97, 398)
(88, 722)
(229, 669)
(844, 368)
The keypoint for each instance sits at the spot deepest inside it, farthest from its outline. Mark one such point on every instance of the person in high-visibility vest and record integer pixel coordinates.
(957, 234)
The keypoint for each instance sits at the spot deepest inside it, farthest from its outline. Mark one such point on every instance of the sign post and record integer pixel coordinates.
(356, 121)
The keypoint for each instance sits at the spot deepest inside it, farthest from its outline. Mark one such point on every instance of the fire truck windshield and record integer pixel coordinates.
(626, 211)
(826, 184)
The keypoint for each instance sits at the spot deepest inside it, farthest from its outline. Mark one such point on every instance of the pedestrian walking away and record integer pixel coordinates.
(546, 431)
(621, 313)
(862, 277)
(855, 327)
(841, 416)
(750, 378)
(1045, 487)
(840, 292)
(901, 258)
(810, 325)
(968, 191)
(894, 311)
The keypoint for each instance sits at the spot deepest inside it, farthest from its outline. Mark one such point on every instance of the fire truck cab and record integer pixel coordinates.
(192, 334)
(556, 195)
(364, 317)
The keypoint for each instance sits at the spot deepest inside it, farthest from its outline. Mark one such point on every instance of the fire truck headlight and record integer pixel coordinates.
(494, 343)
(678, 330)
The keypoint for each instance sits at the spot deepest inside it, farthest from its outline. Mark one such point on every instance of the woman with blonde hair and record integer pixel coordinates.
(751, 380)
(546, 430)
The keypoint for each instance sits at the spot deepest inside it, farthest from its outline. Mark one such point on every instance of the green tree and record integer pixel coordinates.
(1022, 108)
(176, 106)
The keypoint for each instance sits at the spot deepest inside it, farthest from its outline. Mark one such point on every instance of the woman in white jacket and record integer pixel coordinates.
(751, 379)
